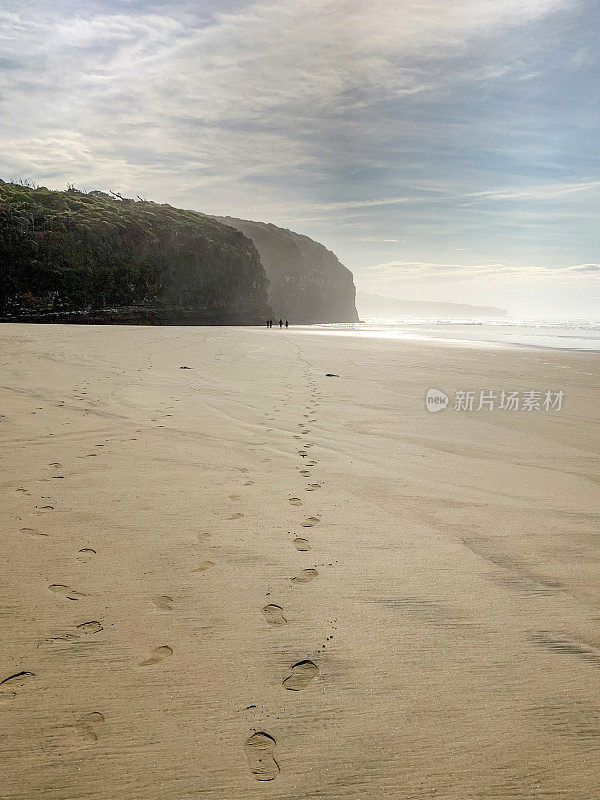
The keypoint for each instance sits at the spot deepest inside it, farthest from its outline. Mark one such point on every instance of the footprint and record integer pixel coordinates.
(310, 521)
(301, 544)
(33, 532)
(63, 637)
(305, 576)
(204, 566)
(274, 614)
(249, 483)
(305, 473)
(312, 487)
(158, 654)
(85, 554)
(87, 725)
(163, 601)
(260, 749)
(9, 685)
(45, 508)
(90, 627)
(66, 591)
(302, 674)
(234, 497)
(311, 463)
(235, 516)
(302, 453)
(295, 501)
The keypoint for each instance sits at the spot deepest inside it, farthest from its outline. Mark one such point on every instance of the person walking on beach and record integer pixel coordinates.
(281, 323)
(286, 324)
(268, 323)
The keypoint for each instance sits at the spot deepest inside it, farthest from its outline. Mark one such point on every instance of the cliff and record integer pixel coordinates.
(307, 283)
(76, 257)
(374, 305)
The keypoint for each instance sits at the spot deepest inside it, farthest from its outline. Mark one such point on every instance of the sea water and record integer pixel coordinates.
(559, 334)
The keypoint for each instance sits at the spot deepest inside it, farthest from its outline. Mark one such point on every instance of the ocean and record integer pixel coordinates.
(556, 334)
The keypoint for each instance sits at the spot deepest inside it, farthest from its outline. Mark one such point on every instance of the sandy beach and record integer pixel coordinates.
(248, 579)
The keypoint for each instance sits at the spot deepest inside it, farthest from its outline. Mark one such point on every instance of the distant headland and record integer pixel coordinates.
(374, 305)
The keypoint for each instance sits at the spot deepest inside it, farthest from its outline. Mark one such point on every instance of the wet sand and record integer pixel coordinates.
(247, 579)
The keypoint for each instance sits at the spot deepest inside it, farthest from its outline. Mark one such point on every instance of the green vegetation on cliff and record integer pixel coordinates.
(63, 253)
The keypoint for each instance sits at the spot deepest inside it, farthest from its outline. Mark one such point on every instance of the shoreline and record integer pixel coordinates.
(317, 328)
(483, 344)
(386, 331)
(405, 331)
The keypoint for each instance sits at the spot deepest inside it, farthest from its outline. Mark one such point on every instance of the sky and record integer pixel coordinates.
(445, 150)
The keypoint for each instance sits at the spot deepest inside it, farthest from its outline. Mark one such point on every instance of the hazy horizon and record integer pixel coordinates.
(510, 316)
(446, 152)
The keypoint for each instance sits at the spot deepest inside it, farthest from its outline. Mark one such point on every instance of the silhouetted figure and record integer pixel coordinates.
(286, 323)
(281, 323)
(267, 323)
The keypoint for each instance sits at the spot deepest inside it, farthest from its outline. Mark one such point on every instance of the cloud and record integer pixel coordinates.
(428, 194)
(419, 271)
(549, 192)
(285, 82)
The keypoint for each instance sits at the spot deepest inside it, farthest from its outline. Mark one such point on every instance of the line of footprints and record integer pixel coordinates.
(260, 747)
(85, 727)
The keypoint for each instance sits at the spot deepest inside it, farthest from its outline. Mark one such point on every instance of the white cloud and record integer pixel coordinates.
(550, 191)
(491, 273)
(267, 88)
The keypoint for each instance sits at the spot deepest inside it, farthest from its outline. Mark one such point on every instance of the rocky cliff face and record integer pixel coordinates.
(307, 283)
(87, 257)
(77, 257)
